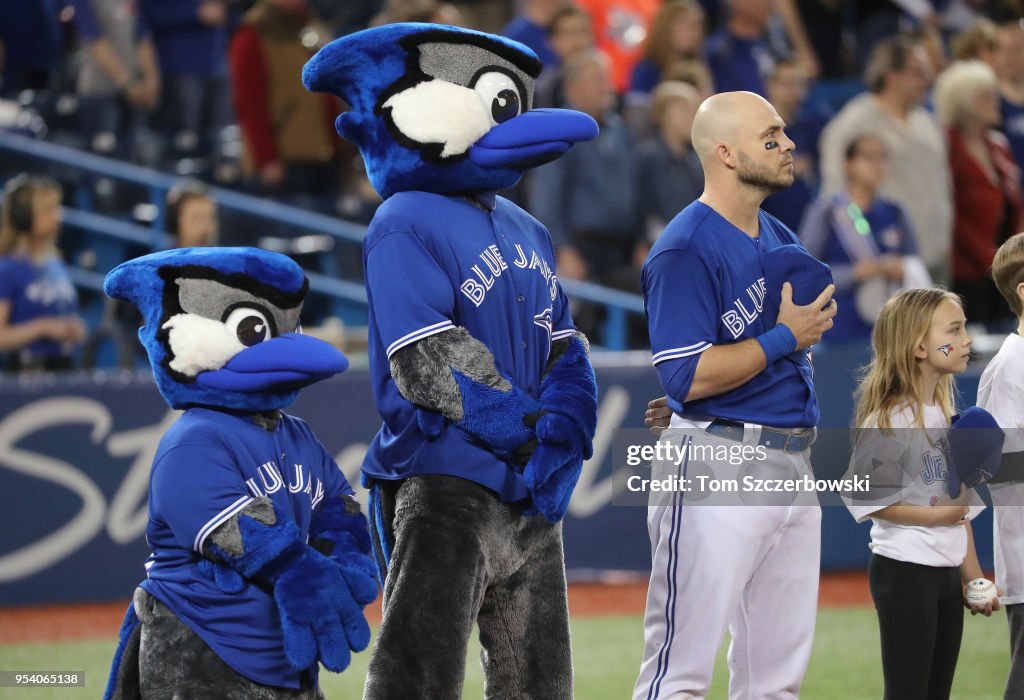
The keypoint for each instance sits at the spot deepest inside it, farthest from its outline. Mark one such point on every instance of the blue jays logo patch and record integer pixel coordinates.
(543, 319)
(945, 349)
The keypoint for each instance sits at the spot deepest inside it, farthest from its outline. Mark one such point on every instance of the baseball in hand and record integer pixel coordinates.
(980, 591)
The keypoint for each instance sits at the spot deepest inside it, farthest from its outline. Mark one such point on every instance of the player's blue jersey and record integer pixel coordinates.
(208, 467)
(434, 262)
(703, 285)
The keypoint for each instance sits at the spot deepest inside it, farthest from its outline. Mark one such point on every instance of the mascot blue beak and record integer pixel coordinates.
(533, 138)
(289, 361)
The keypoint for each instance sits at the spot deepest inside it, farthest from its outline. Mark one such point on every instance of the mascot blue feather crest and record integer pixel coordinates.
(221, 326)
(442, 109)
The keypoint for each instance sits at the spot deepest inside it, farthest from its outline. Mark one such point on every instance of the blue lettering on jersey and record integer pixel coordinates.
(272, 480)
(933, 463)
(539, 264)
(746, 309)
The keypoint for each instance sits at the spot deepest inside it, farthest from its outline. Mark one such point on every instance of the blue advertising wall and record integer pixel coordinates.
(75, 457)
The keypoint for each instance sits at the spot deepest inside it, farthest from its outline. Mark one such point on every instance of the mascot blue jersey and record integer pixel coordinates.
(703, 285)
(229, 461)
(434, 262)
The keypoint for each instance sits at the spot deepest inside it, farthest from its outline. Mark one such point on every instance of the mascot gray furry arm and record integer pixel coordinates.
(452, 374)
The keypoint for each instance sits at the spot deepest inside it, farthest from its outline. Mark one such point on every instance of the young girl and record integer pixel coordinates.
(921, 542)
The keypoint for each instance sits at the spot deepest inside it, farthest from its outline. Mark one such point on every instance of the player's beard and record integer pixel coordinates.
(761, 177)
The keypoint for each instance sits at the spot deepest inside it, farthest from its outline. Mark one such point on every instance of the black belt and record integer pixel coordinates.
(791, 441)
(1011, 469)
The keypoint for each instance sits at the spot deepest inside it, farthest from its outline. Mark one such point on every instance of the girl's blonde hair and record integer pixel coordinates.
(21, 193)
(892, 381)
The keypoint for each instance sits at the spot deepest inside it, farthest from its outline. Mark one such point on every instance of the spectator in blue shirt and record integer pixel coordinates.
(866, 240)
(191, 38)
(739, 54)
(39, 322)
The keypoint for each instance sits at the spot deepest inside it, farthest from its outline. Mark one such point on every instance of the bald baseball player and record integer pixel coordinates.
(731, 379)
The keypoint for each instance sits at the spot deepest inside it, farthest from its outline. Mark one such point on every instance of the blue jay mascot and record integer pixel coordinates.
(485, 387)
(261, 559)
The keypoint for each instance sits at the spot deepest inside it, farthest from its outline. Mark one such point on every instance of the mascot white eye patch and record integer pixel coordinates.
(200, 343)
(437, 111)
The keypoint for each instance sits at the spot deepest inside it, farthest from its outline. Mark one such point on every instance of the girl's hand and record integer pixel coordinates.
(988, 608)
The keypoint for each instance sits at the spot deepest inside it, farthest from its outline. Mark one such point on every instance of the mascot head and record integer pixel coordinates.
(222, 326)
(442, 109)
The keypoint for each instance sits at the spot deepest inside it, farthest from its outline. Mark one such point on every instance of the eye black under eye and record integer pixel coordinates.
(770, 145)
(505, 106)
(252, 330)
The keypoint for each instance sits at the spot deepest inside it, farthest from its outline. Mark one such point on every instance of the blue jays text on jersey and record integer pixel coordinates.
(703, 285)
(209, 466)
(746, 309)
(434, 262)
(477, 286)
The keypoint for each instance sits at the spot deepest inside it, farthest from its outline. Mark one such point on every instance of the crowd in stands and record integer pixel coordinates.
(908, 117)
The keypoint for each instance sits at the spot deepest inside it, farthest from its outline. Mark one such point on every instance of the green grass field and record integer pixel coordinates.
(606, 651)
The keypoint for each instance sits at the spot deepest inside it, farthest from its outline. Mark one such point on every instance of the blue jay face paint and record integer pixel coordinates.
(945, 349)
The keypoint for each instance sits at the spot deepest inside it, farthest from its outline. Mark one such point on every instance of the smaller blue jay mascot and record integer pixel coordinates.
(260, 564)
(485, 387)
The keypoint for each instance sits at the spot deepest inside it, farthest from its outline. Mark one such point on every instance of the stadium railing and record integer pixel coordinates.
(113, 239)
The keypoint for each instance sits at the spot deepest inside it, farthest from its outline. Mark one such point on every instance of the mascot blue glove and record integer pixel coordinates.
(260, 567)
(565, 431)
(339, 531)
